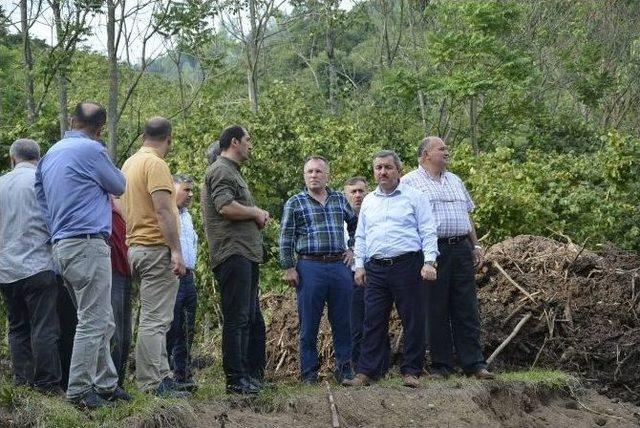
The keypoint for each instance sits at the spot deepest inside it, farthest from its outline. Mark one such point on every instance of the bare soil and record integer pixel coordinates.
(437, 404)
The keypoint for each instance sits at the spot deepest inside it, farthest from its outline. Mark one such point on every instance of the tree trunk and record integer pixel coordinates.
(473, 120)
(252, 57)
(28, 63)
(112, 106)
(63, 116)
(333, 72)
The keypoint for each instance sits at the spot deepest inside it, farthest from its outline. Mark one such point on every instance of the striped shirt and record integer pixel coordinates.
(309, 227)
(450, 200)
(188, 239)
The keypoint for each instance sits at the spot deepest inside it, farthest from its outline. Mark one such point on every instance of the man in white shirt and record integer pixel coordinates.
(395, 252)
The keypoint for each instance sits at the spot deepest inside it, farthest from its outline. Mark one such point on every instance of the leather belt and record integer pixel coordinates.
(452, 239)
(102, 236)
(325, 258)
(389, 261)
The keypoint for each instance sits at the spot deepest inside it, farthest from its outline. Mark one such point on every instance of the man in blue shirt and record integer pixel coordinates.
(183, 326)
(395, 251)
(73, 183)
(313, 227)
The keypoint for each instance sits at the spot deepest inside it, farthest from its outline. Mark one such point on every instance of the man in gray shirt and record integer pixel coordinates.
(27, 281)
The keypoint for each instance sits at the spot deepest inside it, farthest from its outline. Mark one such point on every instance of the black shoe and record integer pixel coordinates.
(168, 389)
(242, 386)
(116, 395)
(89, 400)
(188, 385)
(344, 374)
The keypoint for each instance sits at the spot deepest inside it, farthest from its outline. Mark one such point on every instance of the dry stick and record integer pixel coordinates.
(518, 286)
(335, 421)
(284, 354)
(396, 346)
(509, 338)
(538, 354)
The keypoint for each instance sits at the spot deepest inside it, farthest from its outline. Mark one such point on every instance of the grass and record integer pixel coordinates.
(26, 407)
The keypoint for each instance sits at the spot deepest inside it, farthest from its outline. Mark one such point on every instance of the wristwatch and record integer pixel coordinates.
(432, 264)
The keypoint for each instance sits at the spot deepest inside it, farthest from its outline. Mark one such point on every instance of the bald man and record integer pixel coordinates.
(452, 301)
(73, 184)
(155, 254)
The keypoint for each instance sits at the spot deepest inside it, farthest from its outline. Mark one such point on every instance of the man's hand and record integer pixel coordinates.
(347, 257)
(261, 217)
(360, 277)
(478, 255)
(290, 276)
(428, 273)
(177, 264)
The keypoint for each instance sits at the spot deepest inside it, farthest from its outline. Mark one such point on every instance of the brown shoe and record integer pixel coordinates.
(411, 381)
(437, 376)
(360, 379)
(483, 374)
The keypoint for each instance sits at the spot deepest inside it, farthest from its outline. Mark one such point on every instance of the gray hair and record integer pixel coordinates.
(387, 153)
(317, 158)
(425, 143)
(213, 151)
(182, 178)
(25, 149)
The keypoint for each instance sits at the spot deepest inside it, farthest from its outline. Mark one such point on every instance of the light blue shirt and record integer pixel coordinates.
(24, 247)
(73, 183)
(396, 223)
(188, 239)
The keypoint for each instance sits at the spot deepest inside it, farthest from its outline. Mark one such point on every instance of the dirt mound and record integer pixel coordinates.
(583, 306)
(458, 403)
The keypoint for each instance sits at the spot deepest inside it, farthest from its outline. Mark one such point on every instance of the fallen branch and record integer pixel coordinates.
(512, 281)
(509, 338)
(335, 421)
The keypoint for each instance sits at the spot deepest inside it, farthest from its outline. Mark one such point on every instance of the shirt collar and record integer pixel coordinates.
(379, 192)
(24, 164)
(428, 175)
(147, 149)
(228, 161)
(75, 133)
(329, 192)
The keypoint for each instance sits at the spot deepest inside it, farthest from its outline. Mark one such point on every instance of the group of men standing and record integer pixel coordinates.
(74, 218)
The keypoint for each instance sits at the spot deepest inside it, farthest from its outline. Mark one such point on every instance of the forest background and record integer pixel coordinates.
(538, 100)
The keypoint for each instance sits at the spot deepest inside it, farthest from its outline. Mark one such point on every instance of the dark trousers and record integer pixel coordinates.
(400, 283)
(243, 328)
(331, 284)
(34, 330)
(121, 339)
(183, 327)
(68, 321)
(357, 329)
(452, 304)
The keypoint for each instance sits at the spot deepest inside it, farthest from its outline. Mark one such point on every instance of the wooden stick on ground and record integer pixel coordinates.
(511, 280)
(335, 421)
(509, 338)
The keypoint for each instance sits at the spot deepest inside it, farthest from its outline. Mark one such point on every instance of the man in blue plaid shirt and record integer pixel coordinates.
(313, 228)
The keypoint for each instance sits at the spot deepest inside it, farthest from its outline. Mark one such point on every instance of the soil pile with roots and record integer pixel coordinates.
(577, 311)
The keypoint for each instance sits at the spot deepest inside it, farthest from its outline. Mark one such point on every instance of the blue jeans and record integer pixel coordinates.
(183, 326)
(321, 283)
(121, 339)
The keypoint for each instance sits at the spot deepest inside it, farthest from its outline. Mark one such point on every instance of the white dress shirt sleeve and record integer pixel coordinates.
(427, 227)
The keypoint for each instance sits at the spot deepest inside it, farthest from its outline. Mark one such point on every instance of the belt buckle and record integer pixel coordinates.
(387, 262)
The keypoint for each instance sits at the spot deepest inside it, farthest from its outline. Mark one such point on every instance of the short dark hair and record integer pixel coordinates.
(213, 151)
(24, 149)
(229, 133)
(387, 153)
(90, 114)
(157, 129)
(353, 180)
(182, 178)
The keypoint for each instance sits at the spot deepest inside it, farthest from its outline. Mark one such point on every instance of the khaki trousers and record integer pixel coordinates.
(151, 265)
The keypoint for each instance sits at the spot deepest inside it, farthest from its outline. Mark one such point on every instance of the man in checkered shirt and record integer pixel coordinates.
(452, 301)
